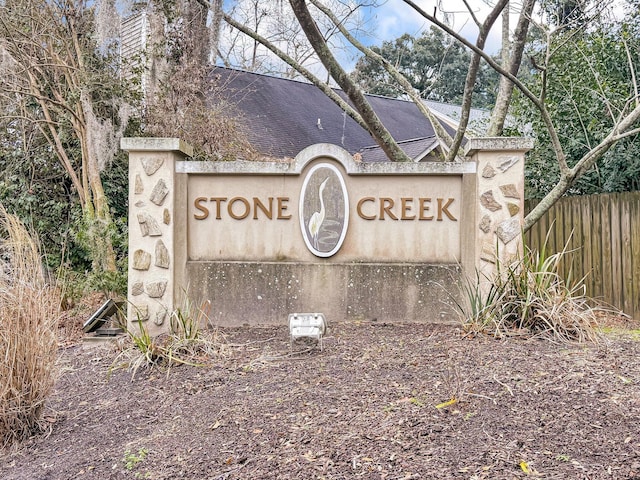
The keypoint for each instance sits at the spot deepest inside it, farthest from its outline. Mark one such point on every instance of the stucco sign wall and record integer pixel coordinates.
(323, 233)
(323, 212)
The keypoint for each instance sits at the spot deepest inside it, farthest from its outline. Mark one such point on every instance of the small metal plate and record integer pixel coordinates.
(99, 318)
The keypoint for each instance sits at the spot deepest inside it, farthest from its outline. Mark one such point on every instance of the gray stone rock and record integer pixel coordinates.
(489, 202)
(148, 225)
(513, 209)
(488, 252)
(166, 217)
(140, 204)
(137, 289)
(162, 255)
(138, 187)
(485, 223)
(510, 191)
(151, 165)
(160, 317)
(507, 162)
(508, 230)
(488, 171)
(159, 193)
(141, 260)
(156, 288)
(140, 313)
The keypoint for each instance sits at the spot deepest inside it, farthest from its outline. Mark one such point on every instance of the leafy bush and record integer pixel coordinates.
(29, 313)
(529, 296)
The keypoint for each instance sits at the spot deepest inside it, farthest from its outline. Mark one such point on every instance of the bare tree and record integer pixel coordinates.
(185, 98)
(275, 22)
(624, 124)
(512, 51)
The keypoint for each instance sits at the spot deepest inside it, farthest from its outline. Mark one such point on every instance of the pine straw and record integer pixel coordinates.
(29, 312)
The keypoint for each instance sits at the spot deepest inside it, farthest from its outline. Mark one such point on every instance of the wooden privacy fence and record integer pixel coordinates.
(602, 235)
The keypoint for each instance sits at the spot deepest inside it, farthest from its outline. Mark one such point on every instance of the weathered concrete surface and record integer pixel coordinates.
(240, 234)
(264, 293)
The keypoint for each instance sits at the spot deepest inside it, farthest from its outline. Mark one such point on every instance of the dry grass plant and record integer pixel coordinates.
(191, 340)
(29, 313)
(528, 296)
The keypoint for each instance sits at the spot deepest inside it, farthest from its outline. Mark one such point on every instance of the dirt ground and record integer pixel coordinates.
(373, 404)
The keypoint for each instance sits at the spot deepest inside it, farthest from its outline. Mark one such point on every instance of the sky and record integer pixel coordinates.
(390, 19)
(394, 18)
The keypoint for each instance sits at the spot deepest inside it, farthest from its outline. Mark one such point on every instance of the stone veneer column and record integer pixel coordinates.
(157, 232)
(499, 185)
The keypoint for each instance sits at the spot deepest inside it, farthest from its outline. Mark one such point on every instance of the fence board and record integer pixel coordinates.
(597, 260)
(603, 232)
(635, 253)
(578, 240)
(616, 250)
(587, 233)
(626, 259)
(607, 271)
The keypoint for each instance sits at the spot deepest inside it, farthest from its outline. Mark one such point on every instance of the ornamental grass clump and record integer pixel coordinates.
(190, 341)
(29, 313)
(529, 296)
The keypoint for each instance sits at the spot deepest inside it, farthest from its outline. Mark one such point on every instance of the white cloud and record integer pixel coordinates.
(395, 18)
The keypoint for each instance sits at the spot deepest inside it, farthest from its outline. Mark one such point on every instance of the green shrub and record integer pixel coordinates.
(29, 313)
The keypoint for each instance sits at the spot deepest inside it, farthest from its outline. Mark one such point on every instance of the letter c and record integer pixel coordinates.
(359, 208)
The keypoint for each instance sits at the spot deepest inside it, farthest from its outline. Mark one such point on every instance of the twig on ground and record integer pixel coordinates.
(504, 385)
(482, 396)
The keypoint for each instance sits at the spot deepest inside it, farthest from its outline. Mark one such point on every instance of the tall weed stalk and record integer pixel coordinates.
(29, 314)
(528, 296)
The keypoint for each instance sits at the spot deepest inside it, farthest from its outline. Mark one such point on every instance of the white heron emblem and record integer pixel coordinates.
(316, 220)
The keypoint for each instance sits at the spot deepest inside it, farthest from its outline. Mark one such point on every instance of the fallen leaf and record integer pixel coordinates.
(448, 403)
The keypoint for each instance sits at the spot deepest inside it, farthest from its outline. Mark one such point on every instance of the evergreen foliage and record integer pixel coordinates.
(435, 65)
(592, 83)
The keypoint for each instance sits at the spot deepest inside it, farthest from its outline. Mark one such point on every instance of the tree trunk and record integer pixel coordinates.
(472, 74)
(96, 210)
(377, 130)
(512, 53)
(214, 30)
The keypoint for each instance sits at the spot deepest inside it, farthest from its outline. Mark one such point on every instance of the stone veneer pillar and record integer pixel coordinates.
(499, 188)
(157, 231)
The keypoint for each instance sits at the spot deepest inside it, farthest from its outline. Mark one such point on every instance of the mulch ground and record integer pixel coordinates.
(380, 401)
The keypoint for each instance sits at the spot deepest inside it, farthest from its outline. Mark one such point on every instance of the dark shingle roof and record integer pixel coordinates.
(415, 148)
(282, 117)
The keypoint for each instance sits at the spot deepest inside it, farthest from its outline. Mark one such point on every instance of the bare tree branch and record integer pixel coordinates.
(441, 133)
(378, 131)
(326, 89)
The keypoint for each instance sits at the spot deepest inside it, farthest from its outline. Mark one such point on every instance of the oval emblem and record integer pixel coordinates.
(324, 210)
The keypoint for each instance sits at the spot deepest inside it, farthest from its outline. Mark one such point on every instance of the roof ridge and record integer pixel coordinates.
(302, 82)
(402, 142)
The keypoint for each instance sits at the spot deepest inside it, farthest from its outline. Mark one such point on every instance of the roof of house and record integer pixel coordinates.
(478, 117)
(282, 117)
